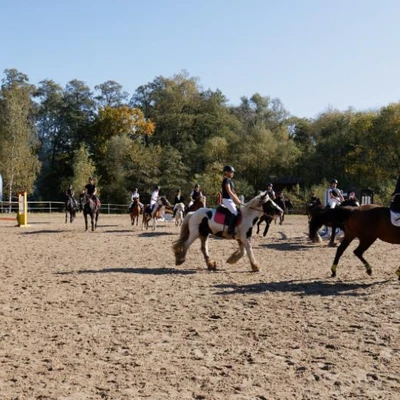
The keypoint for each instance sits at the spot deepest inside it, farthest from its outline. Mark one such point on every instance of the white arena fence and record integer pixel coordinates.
(106, 208)
(58, 206)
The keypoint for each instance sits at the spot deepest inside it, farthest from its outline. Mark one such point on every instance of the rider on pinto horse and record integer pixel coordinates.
(229, 198)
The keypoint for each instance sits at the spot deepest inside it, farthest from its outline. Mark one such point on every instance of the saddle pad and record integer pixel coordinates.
(219, 218)
(395, 218)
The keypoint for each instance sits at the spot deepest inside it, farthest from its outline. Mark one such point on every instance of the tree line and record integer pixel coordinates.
(174, 133)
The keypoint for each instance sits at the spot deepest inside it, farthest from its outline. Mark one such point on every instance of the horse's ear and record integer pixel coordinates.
(264, 195)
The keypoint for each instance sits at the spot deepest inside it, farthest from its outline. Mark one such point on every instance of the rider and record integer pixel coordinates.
(135, 196)
(70, 195)
(195, 195)
(178, 199)
(229, 197)
(91, 190)
(335, 196)
(270, 191)
(154, 196)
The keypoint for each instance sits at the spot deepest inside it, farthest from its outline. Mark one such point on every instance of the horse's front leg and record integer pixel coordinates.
(268, 224)
(247, 245)
(211, 264)
(237, 255)
(86, 222)
(95, 222)
(66, 216)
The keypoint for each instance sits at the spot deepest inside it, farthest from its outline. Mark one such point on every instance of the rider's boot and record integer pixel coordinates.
(231, 221)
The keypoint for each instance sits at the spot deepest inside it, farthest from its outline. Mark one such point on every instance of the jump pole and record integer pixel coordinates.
(22, 216)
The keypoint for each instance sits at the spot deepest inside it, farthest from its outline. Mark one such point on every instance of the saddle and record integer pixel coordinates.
(222, 213)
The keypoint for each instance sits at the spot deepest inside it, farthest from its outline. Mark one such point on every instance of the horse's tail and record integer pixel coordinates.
(330, 217)
(178, 246)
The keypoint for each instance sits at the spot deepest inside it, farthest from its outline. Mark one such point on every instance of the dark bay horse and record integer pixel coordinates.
(92, 208)
(134, 212)
(71, 207)
(367, 223)
(206, 221)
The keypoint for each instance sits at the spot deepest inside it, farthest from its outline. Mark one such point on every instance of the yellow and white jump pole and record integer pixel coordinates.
(22, 216)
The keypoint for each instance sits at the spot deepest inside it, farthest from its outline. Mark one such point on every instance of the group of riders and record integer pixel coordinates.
(90, 191)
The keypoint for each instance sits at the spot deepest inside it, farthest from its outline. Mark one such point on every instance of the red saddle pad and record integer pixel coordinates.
(219, 218)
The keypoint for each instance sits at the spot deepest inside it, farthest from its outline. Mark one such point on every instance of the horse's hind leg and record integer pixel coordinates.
(364, 245)
(211, 264)
(268, 223)
(237, 255)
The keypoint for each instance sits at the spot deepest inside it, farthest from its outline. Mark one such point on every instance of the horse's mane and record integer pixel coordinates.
(255, 201)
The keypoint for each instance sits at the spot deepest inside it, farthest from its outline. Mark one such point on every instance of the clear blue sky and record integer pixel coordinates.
(312, 54)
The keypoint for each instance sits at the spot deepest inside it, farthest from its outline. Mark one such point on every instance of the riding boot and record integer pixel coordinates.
(231, 222)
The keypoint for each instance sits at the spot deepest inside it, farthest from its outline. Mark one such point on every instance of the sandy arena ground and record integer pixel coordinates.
(107, 315)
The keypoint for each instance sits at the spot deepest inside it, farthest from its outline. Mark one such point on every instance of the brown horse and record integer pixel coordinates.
(198, 203)
(134, 212)
(367, 223)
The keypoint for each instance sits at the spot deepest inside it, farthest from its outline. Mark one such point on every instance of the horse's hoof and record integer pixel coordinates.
(179, 262)
(333, 275)
(255, 268)
(212, 266)
(332, 244)
(369, 271)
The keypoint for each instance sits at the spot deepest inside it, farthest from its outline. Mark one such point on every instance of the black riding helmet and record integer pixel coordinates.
(334, 181)
(229, 168)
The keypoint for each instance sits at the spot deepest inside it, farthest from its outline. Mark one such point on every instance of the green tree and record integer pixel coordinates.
(19, 163)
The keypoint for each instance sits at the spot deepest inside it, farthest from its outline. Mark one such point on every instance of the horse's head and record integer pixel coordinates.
(162, 201)
(272, 209)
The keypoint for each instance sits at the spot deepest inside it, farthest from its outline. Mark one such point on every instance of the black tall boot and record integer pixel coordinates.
(231, 221)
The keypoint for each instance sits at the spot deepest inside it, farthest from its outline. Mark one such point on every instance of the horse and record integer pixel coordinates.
(71, 207)
(134, 212)
(198, 203)
(205, 221)
(367, 223)
(315, 209)
(285, 204)
(92, 208)
(149, 213)
(179, 214)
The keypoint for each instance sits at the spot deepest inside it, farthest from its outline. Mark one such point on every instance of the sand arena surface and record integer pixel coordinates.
(107, 315)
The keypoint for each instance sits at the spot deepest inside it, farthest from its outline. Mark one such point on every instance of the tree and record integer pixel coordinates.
(19, 164)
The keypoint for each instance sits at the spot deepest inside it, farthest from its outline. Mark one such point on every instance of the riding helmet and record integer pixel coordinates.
(270, 184)
(229, 168)
(334, 181)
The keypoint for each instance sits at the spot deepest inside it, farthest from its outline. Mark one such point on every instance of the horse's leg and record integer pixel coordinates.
(247, 245)
(259, 223)
(332, 239)
(237, 255)
(86, 221)
(66, 216)
(343, 246)
(268, 223)
(364, 245)
(211, 264)
(97, 217)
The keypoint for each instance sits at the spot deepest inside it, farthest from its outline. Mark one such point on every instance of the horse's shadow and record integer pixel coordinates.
(43, 231)
(303, 288)
(298, 243)
(142, 271)
(154, 234)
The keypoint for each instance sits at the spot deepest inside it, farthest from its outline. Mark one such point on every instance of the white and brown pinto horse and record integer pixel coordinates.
(179, 214)
(149, 214)
(205, 221)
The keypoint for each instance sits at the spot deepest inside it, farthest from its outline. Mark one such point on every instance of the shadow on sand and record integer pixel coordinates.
(142, 271)
(305, 288)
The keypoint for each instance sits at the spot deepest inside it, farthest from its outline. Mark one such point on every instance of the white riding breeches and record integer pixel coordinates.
(230, 205)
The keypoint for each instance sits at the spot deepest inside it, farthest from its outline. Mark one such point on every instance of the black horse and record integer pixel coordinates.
(71, 207)
(315, 210)
(285, 204)
(92, 208)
